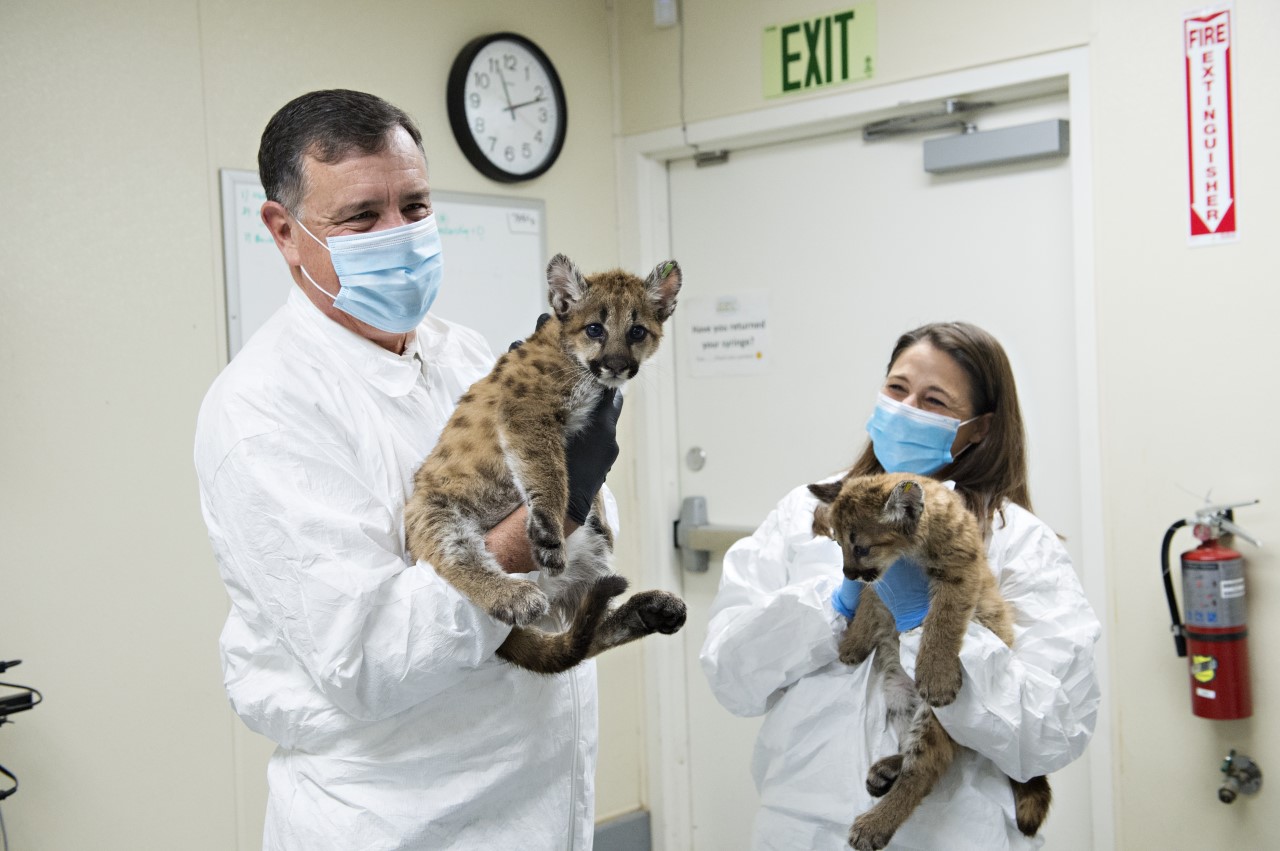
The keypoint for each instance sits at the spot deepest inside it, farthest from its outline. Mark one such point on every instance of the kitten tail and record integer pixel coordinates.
(1031, 803)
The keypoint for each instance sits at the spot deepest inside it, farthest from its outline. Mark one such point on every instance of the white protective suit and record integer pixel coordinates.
(772, 647)
(396, 724)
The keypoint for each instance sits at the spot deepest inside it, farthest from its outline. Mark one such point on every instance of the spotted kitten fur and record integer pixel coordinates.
(505, 446)
(877, 520)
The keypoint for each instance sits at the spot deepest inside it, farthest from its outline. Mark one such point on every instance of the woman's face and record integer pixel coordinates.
(928, 378)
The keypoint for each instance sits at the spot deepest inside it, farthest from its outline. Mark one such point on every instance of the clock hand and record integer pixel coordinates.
(507, 95)
(512, 109)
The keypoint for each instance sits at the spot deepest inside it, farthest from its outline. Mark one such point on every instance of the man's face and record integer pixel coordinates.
(360, 194)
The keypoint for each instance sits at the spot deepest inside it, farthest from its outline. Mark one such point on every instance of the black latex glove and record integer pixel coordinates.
(542, 320)
(590, 454)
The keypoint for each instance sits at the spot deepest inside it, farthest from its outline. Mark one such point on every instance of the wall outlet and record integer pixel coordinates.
(666, 13)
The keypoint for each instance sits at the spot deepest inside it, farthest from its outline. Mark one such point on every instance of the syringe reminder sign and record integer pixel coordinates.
(727, 334)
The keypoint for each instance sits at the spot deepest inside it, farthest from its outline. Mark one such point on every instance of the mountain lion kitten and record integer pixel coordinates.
(877, 520)
(505, 446)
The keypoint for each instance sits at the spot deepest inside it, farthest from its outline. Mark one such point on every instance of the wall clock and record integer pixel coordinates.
(506, 107)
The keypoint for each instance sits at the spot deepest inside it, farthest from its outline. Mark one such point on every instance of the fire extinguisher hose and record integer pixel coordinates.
(1179, 638)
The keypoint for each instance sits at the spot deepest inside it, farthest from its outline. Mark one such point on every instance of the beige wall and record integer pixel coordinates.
(722, 47)
(116, 119)
(107, 334)
(1186, 341)
(1188, 352)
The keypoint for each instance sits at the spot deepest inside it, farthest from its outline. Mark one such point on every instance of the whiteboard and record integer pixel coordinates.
(256, 275)
(495, 264)
(495, 259)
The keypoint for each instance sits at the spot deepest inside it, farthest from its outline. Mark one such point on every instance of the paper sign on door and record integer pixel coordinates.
(727, 334)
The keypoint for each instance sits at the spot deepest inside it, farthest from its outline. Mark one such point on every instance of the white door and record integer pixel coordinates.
(852, 243)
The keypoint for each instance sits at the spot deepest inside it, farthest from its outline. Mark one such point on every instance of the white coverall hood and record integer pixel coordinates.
(1023, 712)
(397, 727)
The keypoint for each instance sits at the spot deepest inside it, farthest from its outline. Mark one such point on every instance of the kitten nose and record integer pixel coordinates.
(617, 364)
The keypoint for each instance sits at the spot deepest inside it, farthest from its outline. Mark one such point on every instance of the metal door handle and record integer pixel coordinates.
(697, 539)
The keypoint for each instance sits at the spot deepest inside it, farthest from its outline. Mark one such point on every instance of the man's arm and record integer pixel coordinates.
(314, 559)
(509, 541)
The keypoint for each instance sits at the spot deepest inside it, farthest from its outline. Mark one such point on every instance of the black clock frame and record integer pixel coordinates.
(455, 100)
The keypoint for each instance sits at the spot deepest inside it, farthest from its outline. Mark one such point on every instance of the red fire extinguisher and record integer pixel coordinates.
(1214, 633)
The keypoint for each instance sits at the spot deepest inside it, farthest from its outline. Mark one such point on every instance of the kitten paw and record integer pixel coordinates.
(520, 605)
(853, 652)
(871, 831)
(939, 684)
(660, 611)
(881, 776)
(547, 541)
(550, 559)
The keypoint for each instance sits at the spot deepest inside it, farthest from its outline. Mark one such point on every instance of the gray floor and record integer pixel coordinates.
(625, 833)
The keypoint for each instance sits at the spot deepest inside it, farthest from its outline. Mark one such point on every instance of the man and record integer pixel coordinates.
(396, 725)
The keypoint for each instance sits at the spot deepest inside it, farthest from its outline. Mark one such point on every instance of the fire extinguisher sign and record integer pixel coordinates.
(1206, 39)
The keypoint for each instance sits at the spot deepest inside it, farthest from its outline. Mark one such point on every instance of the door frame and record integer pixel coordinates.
(645, 238)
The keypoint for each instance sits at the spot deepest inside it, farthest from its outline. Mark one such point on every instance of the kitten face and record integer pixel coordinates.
(611, 322)
(873, 524)
(869, 546)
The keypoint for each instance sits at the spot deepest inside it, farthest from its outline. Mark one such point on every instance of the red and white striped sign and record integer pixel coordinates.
(1207, 42)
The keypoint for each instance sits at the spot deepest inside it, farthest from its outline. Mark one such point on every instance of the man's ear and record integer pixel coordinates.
(280, 224)
(565, 285)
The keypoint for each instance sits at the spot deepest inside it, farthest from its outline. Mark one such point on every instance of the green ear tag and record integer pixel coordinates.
(666, 270)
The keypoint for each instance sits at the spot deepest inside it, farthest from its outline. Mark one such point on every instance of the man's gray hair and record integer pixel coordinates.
(329, 125)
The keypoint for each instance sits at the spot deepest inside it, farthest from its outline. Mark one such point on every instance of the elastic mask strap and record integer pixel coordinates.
(312, 280)
(312, 235)
(307, 274)
(968, 445)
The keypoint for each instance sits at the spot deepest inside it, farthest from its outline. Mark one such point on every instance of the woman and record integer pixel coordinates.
(948, 408)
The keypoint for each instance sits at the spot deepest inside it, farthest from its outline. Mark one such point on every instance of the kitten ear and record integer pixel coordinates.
(565, 285)
(903, 508)
(663, 285)
(826, 492)
(822, 521)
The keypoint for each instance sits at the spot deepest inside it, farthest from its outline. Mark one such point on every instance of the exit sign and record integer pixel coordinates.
(820, 51)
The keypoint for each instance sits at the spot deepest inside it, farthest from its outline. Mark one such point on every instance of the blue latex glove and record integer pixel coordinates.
(845, 598)
(904, 589)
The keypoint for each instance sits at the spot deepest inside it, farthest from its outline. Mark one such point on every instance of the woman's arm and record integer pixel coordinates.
(772, 621)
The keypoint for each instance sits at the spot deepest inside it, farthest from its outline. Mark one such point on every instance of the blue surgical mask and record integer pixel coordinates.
(906, 439)
(389, 277)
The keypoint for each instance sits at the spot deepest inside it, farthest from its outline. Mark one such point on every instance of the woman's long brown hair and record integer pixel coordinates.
(994, 470)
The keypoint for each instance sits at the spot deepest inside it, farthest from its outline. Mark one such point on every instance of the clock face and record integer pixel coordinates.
(506, 106)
